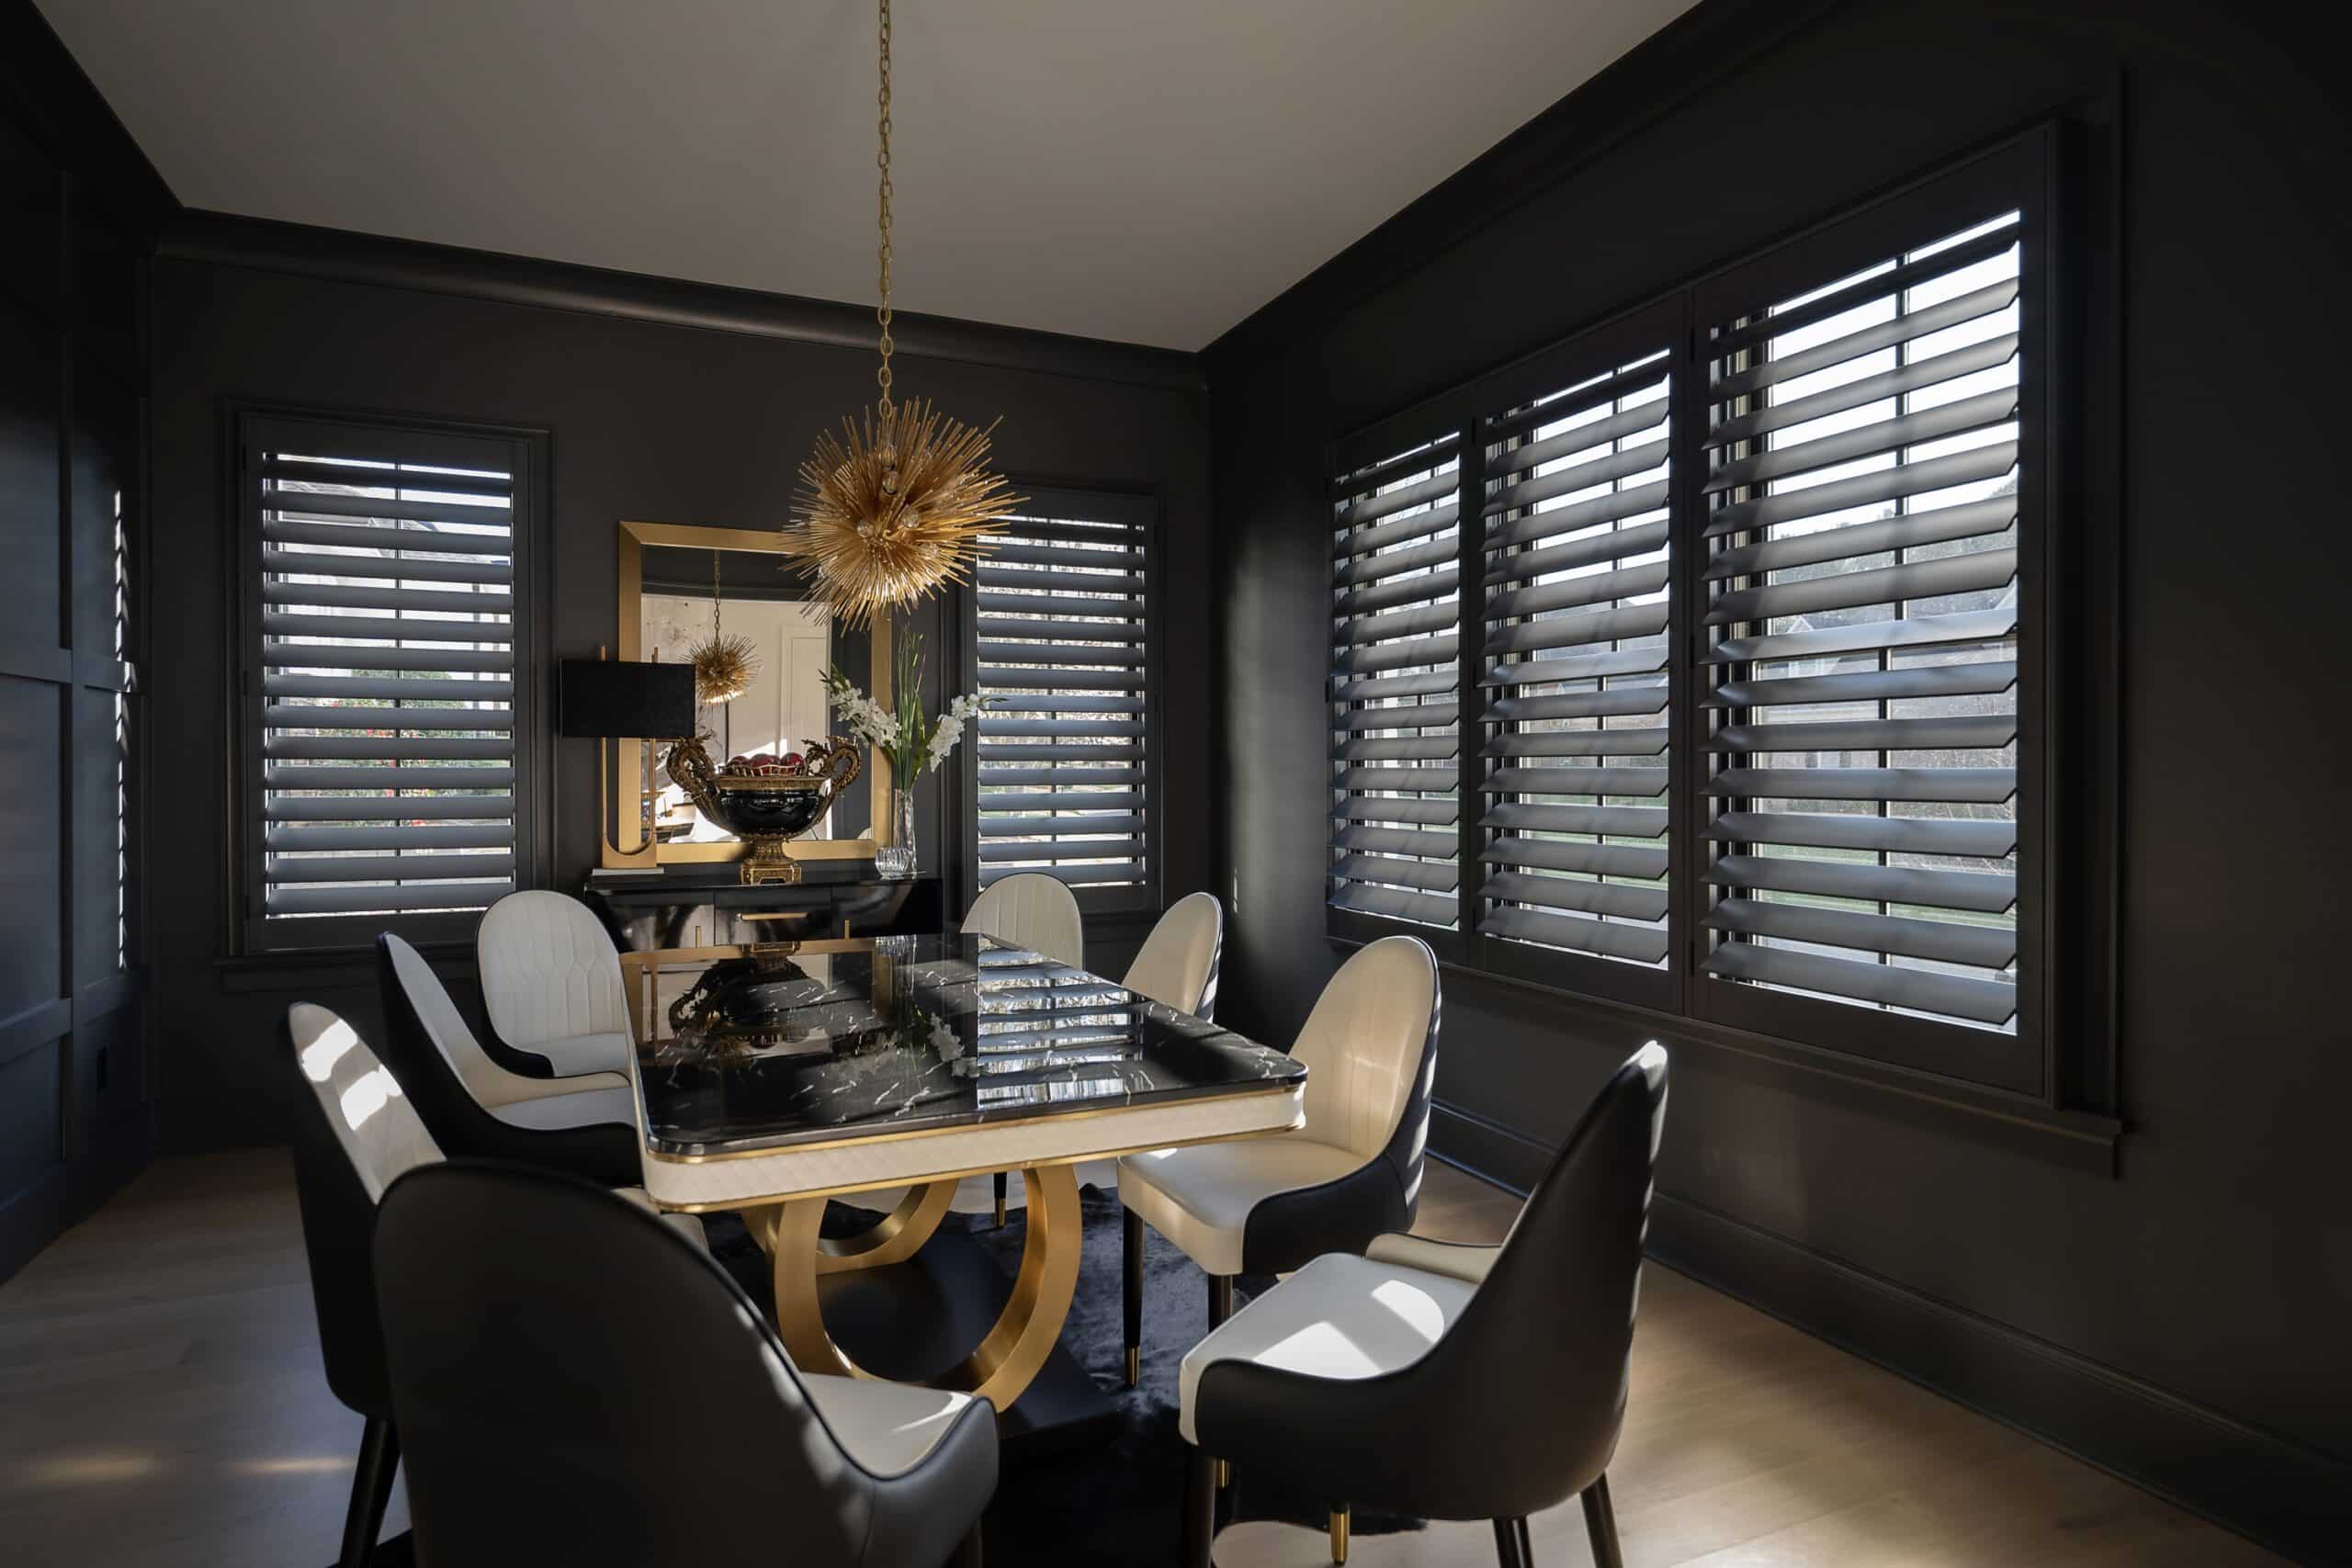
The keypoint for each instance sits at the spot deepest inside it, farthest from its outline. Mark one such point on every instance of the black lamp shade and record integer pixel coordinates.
(615, 699)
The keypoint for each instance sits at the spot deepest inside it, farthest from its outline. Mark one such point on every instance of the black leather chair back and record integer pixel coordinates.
(1519, 1406)
(1547, 1337)
(574, 1383)
(338, 1222)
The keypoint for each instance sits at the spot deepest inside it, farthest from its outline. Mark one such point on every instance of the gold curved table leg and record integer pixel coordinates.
(895, 1237)
(1025, 1334)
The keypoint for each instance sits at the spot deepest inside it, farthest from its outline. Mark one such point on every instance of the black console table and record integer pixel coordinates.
(708, 905)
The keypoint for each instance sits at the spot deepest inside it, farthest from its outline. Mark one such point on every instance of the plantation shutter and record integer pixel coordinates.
(1574, 653)
(387, 661)
(1860, 659)
(1065, 752)
(1396, 687)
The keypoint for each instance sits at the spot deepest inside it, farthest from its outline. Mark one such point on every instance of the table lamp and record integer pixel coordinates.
(612, 699)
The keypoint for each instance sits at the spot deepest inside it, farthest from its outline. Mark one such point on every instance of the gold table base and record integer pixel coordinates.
(1025, 1334)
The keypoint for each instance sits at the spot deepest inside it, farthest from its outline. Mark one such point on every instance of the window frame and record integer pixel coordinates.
(2027, 172)
(961, 813)
(396, 438)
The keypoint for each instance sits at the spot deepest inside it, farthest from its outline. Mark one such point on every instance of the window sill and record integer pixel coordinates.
(324, 967)
(2083, 1140)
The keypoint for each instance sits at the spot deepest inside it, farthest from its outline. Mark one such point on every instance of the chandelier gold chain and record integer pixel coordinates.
(901, 502)
(882, 160)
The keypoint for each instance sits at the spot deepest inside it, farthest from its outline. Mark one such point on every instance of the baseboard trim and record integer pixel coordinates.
(31, 1218)
(2290, 1498)
(1497, 1155)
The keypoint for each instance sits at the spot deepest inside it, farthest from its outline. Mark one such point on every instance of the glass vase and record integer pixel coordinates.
(896, 860)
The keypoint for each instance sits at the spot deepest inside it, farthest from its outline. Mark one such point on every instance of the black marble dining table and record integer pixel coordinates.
(772, 1078)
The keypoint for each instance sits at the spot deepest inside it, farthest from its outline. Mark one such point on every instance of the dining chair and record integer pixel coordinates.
(353, 1134)
(1033, 911)
(578, 1385)
(551, 984)
(1450, 1381)
(475, 1107)
(1177, 965)
(1270, 1205)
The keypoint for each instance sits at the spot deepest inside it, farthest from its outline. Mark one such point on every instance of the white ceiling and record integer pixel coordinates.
(1145, 172)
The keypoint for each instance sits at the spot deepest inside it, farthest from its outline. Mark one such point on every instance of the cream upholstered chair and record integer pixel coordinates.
(1270, 1205)
(1033, 911)
(1177, 964)
(1455, 1382)
(355, 1135)
(551, 982)
(585, 1123)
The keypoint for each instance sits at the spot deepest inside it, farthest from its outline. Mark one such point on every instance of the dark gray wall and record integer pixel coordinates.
(2183, 1317)
(648, 421)
(77, 208)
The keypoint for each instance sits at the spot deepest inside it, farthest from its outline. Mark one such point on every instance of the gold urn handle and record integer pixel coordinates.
(689, 768)
(836, 762)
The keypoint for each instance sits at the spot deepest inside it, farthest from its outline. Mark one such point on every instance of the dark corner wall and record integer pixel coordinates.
(664, 402)
(2177, 1313)
(78, 207)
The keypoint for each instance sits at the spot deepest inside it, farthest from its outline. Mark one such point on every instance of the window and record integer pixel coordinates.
(1756, 668)
(1065, 768)
(383, 710)
(1577, 607)
(1396, 673)
(1859, 665)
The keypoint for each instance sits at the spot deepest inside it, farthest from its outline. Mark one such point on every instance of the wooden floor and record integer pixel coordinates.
(161, 1403)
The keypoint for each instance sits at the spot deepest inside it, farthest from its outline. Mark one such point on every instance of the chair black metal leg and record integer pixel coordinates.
(1601, 1524)
(1200, 1510)
(1512, 1547)
(372, 1491)
(1220, 1300)
(1131, 1243)
(1001, 1191)
(967, 1551)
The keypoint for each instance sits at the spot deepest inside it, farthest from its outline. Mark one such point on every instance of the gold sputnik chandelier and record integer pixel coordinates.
(901, 501)
(723, 665)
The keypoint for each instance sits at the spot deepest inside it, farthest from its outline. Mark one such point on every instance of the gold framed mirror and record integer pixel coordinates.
(675, 582)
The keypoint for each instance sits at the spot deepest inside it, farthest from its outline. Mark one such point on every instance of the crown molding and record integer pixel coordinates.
(301, 250)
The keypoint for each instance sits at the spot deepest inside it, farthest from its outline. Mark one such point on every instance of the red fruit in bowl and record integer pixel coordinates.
(794, 761)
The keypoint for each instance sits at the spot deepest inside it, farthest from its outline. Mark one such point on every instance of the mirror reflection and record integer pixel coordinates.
(778, 646)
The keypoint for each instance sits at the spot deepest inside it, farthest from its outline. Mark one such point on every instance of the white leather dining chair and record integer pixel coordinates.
(475, 1107)
(1270, 1205)
(1033, 911)
(551, 982)
(1177, 965)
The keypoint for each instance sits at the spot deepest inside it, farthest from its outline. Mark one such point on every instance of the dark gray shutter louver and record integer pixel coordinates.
(1063, 645)
(1576, 584)
(1396, 687)
(1859, 661)
(388, 663)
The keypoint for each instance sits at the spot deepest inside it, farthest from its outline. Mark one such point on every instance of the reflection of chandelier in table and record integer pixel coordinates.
(901, 502)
